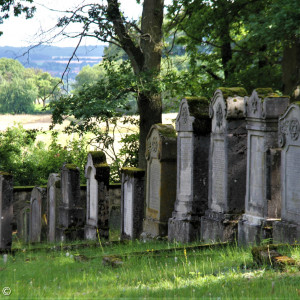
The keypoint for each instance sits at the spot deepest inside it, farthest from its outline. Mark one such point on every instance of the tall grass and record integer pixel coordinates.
(226, 273)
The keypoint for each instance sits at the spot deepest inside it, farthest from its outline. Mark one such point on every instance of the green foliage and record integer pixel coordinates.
(31, 162)
(20, 87)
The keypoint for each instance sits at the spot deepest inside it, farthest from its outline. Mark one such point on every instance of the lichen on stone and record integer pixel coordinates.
(5, 173)
(233, 92)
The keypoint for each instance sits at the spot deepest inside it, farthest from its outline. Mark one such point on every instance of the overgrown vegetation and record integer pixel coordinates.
(226, 273)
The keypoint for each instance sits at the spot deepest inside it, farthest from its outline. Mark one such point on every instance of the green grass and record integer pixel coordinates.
(226, 273)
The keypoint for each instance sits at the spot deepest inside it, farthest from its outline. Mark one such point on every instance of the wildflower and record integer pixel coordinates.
(175, 258)
(67, 254)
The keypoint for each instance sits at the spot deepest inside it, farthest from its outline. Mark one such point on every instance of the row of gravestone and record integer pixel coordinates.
(59, 213)
(232, 172)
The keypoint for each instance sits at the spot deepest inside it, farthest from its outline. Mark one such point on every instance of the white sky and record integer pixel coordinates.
(19, 32)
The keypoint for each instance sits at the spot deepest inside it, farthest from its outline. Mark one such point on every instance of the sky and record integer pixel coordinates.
(19, 32)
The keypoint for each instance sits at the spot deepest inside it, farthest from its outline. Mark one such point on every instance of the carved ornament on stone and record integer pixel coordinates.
(154, 144)
(219, 115)
(294, 129)
(254, 104)
(184, 115)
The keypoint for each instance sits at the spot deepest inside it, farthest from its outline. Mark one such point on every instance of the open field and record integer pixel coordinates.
(209, 273)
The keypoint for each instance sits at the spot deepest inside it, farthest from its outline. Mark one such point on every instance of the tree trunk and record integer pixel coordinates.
(150, 104)
(150, 110)
(291, 70)
(226, 51)
(145, 59)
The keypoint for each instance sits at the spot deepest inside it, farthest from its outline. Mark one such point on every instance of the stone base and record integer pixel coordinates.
(184, 231)
(285, 232)
(69, 234)
(153, 228)
(253, 230)
(90, 232)
(219, 227)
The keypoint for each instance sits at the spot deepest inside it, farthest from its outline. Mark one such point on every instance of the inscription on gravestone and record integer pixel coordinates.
(128, 209)
(155, 175)
(256, 164)
(293, 179)
(93, 196)
(186, 169)
(52, 217)
(218, 174)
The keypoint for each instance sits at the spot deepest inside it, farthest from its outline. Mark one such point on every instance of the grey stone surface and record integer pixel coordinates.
(227, 169)
(97, 174)
(288, 229)
(71, 213)
(6, 210)
(193, 127)
(114, 207)
(38, 217)
(53, 203)
(161, 179)
(132, 203)
(262, 202)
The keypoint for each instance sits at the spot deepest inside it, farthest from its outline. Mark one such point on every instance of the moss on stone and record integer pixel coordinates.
(133, 172)
(98, 157)
(70, 166)
(166, 130)
(233, 91)
(263, 92)
(198, 107)
(102, 165)
(5, 173)
(23, 188)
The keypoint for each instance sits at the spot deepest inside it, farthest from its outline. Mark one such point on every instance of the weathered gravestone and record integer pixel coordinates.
(161, 179)
(263, 201)
(23, 223)
(227, 170)
(38, 218)
(71, 210)
(193, 126)
(132, 202)
(288, 229)
(6, 210)
(53, 202)
(97, 174)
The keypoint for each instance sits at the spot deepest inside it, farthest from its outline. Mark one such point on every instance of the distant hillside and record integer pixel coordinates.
(54, 59)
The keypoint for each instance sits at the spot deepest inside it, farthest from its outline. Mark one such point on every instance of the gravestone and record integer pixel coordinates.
(23, 223)
(132, 202)
(263, 201)
(227, 169)
(161, 153)
(71, 217)
(38, 217)
(97, 173)
(6, 210)
(53, 202)
(288, 229)
(193, 127)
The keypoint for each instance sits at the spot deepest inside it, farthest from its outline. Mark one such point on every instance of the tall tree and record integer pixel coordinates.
(142, 44)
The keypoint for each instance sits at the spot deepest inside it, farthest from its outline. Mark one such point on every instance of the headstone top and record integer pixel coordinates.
(233, 107)
(289, 126)
(160, 136)
(133, 172)
(98, 157)
(264, 104)
(53, 179)
(193, 115)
